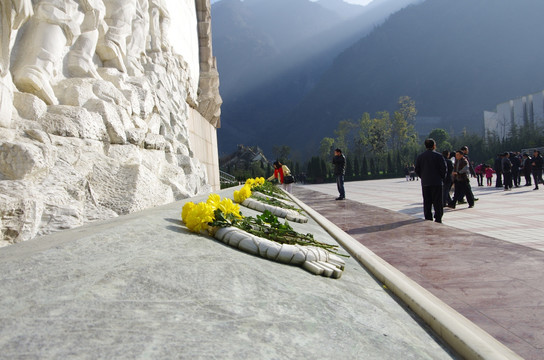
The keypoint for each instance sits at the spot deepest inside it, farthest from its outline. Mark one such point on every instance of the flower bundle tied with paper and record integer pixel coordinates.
(262, 235)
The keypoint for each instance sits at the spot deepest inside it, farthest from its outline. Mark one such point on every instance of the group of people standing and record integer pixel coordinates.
(510, 167)
(438, 174)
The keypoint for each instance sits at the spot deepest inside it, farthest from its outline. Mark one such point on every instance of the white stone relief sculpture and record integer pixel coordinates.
(316, 260)
(80, 57)
(112, 43)
(138, 38)
(93, 124)
(13, 14)
(53, 27)
(159, 23)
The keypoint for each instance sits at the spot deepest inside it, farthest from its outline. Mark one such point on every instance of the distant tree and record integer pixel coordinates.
(323, 172)
(402, 125)
(326, 147)
(345, 135)
(356, 168)
(373, 171)
(376, 132)
(439, 135)
(364, 168)
(390, 168)
(407, 108)
(349, 168)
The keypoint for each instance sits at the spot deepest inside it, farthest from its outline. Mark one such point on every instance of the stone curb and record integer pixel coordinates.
(469, 340)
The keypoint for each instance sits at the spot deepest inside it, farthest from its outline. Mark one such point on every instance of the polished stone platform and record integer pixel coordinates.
(486, 262)
(142, 287)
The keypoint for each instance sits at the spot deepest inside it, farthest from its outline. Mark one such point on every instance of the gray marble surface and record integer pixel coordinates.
(142, 286)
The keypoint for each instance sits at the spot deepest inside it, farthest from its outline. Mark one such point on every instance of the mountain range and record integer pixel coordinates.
(290, 70)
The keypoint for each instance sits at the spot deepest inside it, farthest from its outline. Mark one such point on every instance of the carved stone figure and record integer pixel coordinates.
(159, 24)
(137, 41)
(53, 27)
(112, 43)
(13, 13)
(80, 58)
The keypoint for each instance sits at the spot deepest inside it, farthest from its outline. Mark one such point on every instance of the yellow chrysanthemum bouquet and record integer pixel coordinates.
(198, 217)
(216, 213)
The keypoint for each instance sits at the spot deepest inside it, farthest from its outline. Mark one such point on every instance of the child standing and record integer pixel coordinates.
(489, 174)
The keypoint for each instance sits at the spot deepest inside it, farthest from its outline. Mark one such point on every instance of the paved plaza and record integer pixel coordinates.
(486, 262)
(515, 216)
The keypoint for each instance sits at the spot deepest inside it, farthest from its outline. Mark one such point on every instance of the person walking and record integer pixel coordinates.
(468, 191)
(448, 181)
(431, 168)
(526, 168)
(479, 170)
(339, 162)
(516, 165)
(507, 171)
(498, 170)
(461, 180)
(537, 168)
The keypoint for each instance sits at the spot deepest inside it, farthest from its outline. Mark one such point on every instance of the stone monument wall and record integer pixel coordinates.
(107, 107)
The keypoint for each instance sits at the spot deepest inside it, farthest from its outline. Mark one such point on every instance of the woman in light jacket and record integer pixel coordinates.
(281, 172)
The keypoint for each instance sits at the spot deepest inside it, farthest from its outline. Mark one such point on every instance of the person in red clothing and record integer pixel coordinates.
(283, 174)
(489, 174)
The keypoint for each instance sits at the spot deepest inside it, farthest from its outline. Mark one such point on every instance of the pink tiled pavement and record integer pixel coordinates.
(497, 284)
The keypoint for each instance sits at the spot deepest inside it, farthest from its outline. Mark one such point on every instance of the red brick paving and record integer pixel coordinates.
(496, 284)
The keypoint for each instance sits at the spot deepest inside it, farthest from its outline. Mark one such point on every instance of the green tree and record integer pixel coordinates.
(349, 168)
(441, 137)
(326, 147)
(390, 169)
(323, 172)
(407, 107)
(403, 122)
(344, 135)
(356, 168)
(379, 133)
(373, 171)
(364, 168)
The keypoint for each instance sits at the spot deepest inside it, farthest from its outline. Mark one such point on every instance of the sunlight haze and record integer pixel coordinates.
(360, 2)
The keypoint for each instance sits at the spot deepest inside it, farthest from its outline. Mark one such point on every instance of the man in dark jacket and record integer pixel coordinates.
(461, 180)
(431, 168)
(527, 168)
(448, 181)
(498, 170)
(515, 159)
(537, 168)
(507, 171)
(339, 162)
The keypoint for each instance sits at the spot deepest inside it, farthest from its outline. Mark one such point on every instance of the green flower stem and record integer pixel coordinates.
(269, 227)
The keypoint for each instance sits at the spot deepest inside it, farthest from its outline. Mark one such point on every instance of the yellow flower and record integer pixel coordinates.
(237, 197)
(214, 200)
(228, 207)
(250, 182)
(186, 209)
(198, 218)
(244, 193)
(259, 181)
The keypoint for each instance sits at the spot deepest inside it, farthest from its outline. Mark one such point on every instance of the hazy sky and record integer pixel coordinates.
(360, 2)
